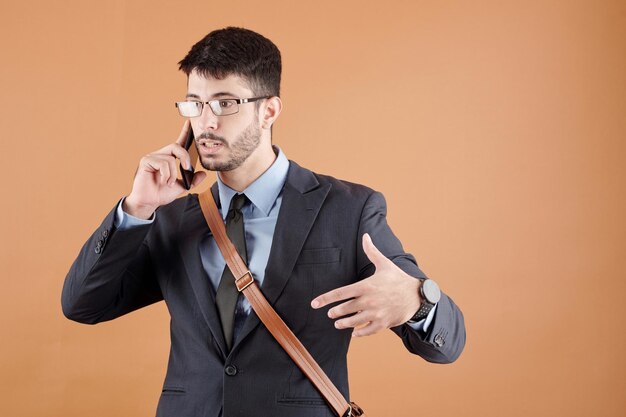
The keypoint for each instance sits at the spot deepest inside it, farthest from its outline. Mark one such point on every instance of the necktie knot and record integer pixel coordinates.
(238, 201)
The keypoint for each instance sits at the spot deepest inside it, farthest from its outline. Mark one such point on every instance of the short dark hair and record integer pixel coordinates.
(237, 51)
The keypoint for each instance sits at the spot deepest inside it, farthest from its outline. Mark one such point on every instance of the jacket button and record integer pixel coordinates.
(105, 233)
(439, 341)
(98, 249)
(99, 243)
(230, 370)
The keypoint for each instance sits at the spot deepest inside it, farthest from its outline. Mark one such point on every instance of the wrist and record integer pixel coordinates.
(137, 210)
(429, 294)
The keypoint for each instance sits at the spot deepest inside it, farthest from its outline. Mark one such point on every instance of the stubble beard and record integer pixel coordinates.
(240, 150)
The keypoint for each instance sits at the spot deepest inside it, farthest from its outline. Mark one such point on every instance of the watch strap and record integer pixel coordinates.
(425, 307)
(422, 313)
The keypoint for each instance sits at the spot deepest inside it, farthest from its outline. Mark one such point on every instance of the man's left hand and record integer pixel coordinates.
(386, 299)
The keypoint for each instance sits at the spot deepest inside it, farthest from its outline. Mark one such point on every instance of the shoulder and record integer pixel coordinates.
(337, 187)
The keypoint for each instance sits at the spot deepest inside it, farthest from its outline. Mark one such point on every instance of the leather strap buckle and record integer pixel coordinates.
(244, 281)
(353, 411)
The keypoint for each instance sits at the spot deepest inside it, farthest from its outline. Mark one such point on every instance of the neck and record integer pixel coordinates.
(241, 177)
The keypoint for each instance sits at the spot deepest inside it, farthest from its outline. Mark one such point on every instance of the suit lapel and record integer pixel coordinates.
(302, 200)
(193, 228)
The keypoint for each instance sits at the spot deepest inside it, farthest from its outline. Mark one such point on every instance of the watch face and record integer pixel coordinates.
(431, 291)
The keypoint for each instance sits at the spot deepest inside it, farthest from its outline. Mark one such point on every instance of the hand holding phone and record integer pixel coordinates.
(156, 182)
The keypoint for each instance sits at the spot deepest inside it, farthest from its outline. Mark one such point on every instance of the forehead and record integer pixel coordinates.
(206, 87)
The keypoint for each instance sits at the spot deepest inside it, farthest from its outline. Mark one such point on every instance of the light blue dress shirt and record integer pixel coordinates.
(259, 218)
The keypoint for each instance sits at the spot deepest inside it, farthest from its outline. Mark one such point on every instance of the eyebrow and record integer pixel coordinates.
(220, 94)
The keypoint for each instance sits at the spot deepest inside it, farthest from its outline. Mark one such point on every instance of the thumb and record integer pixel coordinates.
(373, 254)
(198, 177)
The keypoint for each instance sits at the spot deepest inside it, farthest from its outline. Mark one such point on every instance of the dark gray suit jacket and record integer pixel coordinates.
(316, 247)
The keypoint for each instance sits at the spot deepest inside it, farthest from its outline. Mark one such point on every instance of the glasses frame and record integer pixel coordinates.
(202, 103)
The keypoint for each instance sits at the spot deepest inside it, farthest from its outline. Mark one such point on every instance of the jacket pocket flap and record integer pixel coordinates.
(319, 256)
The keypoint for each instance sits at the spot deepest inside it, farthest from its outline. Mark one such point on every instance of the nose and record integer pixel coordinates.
(207, 120)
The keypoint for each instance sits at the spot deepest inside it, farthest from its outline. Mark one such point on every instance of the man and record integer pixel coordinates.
(311, 242)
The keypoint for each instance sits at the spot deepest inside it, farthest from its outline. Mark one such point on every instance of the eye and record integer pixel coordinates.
(193, 103)
(226, 104)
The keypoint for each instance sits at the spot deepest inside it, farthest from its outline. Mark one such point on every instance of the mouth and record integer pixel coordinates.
(209, 147)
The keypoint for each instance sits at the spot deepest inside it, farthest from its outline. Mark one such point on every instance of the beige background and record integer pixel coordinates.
(495, 129)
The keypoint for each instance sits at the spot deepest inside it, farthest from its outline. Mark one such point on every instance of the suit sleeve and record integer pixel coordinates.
(112, 275)
(445, 339)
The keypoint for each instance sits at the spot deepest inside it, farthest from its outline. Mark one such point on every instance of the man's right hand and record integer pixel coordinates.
(156, 182)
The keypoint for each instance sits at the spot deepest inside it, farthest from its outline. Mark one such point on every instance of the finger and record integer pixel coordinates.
(359, 319)
(164, 168)
(338, 294)
(170, 173)
(182, 154)
(182, 138)
(174, 149)
(373, 254)
(158, 164)
(370, 329)
(344, 309)
(180, 186)
(171, 163)
(198, 177)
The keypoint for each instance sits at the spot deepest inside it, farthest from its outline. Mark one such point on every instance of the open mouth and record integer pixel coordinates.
(210, 147)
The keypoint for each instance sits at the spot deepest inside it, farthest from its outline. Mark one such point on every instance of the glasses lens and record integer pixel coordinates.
(189, 108)
(224, 107)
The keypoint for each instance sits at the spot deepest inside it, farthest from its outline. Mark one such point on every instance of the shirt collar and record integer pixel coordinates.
(264, 190)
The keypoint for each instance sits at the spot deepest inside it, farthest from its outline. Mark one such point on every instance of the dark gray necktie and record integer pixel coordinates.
(226, 298)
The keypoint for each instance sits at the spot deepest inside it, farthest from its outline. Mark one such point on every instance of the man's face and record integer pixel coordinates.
(224, 142)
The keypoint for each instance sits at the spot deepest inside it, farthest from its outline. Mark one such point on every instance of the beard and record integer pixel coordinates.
(240, 149)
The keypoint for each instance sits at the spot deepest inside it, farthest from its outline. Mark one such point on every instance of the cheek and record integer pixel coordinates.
(195, 126)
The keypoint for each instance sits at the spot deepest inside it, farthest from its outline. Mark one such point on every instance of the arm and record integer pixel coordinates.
(387, 294)
(111, 276)
(445, 339)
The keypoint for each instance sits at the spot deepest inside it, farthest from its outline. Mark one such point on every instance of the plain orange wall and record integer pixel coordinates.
(495, 129)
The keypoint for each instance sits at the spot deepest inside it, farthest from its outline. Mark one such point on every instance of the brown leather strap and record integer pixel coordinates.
(277, 327)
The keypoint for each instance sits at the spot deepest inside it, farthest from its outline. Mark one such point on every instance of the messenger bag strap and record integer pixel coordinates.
(245, 283)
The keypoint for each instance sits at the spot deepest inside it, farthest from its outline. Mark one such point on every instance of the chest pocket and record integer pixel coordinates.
(319, 256)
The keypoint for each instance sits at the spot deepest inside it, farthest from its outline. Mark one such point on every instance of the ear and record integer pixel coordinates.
(270, 111)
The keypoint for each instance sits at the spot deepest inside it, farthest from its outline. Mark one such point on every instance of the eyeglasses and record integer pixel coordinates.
(219, 107)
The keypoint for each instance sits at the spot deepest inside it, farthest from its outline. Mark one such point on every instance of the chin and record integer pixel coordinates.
(216, 165)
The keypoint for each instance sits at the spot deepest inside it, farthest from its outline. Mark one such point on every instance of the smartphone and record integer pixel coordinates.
(187, 174)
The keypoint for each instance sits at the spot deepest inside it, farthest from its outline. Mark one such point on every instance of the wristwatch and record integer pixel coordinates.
(430, 294)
